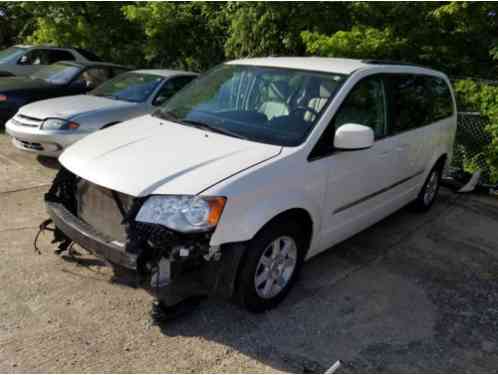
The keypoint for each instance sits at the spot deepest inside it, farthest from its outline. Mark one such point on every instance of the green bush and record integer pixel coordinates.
(483, 98)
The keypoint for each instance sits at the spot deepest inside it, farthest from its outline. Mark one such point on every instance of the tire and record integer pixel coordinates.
(429, 191)
(252, 292)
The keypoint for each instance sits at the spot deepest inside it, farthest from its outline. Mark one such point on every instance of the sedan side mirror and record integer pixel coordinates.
(353, 137)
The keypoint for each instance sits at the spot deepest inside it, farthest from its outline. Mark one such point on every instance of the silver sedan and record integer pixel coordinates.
(49, 126)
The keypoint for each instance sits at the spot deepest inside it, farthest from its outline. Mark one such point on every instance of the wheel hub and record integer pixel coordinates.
(276, 267)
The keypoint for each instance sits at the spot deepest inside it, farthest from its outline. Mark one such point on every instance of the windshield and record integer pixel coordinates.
(132, 87)
(58, 74)
(270, 105)
(8, 54)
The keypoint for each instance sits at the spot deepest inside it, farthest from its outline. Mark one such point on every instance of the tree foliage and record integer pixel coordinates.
(484, 99)
(186, 35)
(458, 38)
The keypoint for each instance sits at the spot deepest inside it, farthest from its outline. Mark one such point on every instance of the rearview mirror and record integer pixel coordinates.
(353, 137)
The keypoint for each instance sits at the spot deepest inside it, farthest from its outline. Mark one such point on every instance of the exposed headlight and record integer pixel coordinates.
(184, 213)
(59, 124)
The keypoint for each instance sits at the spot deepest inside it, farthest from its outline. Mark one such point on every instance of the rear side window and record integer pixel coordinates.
(442, 103)
(35, 57)
(88, 55)
(59, 55)
(411, 105)
(170, 88)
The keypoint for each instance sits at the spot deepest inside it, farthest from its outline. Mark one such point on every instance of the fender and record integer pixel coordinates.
(243, 223)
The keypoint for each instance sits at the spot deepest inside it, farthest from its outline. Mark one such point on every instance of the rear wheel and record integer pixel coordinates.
(429, 191)
(271, 266)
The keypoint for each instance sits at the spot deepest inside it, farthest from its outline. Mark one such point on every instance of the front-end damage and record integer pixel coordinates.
(173, 266)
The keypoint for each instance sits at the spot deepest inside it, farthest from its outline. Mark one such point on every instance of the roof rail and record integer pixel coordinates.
(391, 62)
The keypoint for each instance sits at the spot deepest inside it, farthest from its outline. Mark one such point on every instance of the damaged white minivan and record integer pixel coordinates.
(252, 169)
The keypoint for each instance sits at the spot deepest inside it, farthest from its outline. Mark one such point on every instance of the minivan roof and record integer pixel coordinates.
(323, 64)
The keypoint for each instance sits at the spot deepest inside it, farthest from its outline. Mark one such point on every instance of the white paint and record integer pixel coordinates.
(353, 137)
(147, 156)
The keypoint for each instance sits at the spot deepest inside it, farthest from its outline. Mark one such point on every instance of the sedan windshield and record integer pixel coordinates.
(269, 105)
(9, 54)
(132, 87)
(59, 74)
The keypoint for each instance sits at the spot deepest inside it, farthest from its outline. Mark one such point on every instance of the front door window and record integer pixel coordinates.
(365, 105)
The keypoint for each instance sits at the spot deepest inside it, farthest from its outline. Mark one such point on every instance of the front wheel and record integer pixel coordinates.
(271, 266)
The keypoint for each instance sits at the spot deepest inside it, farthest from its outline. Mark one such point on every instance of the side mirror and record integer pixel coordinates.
(353, 137)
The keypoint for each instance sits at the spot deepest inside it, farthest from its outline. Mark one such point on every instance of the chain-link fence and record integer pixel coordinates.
(471, 139)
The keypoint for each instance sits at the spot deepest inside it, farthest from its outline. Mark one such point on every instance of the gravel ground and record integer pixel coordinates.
(414, 293)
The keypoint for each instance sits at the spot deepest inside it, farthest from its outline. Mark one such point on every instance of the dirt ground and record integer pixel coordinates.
(414, 293)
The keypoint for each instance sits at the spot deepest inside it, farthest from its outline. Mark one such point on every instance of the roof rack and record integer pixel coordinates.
(391, 62)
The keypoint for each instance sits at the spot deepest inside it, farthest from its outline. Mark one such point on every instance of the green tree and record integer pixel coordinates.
(183, 35)
(99, 27)
(457, 38)
(266, 28)
(15, 23)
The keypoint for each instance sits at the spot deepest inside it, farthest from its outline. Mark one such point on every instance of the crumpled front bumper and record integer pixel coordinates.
(87, 237)
(151, 252)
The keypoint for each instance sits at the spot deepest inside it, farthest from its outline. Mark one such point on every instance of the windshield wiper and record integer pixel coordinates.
(203, 125)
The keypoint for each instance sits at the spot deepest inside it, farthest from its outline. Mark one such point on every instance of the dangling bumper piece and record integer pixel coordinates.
(172, 266)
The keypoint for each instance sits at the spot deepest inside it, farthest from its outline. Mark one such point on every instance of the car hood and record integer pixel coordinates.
(21, 83)
(148, 155)
(69, 106)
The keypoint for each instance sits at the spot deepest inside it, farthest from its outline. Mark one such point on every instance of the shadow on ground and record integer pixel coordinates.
(414, 293)
(47, 162)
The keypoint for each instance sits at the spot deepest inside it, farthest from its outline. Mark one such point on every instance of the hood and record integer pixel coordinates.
(69, 106)
(21, 83)
(148, 155)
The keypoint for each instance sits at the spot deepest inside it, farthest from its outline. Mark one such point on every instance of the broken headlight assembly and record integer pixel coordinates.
(182, 213)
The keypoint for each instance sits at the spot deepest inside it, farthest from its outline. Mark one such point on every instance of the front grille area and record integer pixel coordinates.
(29, 145)
(23, 120)
(98, 207)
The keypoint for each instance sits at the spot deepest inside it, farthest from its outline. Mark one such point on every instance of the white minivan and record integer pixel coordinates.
(253, 168)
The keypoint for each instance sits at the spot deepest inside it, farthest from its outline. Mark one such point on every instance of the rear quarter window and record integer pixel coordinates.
(442, 102)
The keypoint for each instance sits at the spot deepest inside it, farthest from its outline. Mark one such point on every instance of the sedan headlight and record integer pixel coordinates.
(59, 124)
(184, 213)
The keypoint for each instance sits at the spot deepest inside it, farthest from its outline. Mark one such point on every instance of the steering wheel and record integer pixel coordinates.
(302, 108)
